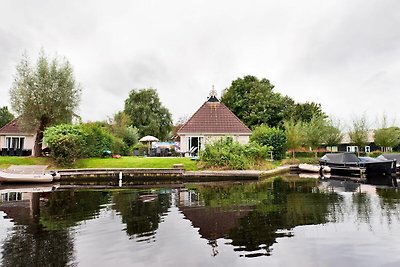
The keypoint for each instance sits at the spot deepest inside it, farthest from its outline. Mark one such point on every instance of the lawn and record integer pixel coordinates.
(124, 162)
(6, 162)
(136, 162)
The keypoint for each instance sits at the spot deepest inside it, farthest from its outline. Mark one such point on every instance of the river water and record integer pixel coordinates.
(296, 223)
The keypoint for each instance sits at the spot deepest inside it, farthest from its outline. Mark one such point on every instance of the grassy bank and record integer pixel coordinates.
(124, 162)
(136, 162)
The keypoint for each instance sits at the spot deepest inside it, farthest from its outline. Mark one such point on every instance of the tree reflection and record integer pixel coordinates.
(277, 207)
(64, 209)
(389, 202)
(141, 212)
(42, 235)
(33, 246)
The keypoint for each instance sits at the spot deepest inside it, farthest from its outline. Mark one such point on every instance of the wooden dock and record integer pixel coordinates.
(170, 174)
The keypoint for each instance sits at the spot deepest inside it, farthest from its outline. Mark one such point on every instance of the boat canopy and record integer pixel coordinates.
(340, 158)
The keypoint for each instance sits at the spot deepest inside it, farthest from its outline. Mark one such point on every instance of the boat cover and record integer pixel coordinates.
(390, 157)
(340, 158)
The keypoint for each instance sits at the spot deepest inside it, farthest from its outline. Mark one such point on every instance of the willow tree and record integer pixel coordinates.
(359, 132)
(294, 131)
(44, 95)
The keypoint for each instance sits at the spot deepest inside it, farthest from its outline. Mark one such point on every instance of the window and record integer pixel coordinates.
(15, 142)
(195, 144)
(367, 149)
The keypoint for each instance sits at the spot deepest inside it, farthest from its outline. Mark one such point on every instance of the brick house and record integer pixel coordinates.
(212, 121)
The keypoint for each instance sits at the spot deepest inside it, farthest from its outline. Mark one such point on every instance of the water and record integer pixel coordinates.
(298, 223)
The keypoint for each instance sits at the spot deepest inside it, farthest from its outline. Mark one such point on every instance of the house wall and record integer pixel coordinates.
(210, 138)
(28, 144)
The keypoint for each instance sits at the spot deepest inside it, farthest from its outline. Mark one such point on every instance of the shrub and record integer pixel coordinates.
(229, 154)
(273, 137)
(65, 142)
(142, 148)
(97, 139)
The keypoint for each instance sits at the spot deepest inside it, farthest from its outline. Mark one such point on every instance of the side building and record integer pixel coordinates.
(212, 121)
(15, 141)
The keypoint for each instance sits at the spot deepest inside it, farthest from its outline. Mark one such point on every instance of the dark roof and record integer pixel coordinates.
(13, 127)
(214, 117)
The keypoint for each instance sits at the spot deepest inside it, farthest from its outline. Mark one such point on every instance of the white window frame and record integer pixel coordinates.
(9, 141)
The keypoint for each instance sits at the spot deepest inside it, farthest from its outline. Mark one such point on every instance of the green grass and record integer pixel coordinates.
(124, 162)
(135, 162)
(6, 162)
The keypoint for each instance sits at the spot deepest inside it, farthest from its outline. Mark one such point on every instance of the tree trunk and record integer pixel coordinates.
(37, 151)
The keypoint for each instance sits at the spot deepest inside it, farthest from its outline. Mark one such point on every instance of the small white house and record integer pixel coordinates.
(212, 121)
(14, 141)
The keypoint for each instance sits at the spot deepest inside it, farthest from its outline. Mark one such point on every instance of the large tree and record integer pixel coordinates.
(294, 131)
(255, 102)
(147, 113)
(359, 132)
(315, 132)
(5, 116)
(44, 94)
(387, 138)
(306, 111)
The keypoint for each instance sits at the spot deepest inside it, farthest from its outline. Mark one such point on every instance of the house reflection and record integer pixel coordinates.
(29, 244)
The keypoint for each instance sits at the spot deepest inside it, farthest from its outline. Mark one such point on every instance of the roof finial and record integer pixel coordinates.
(213, 92)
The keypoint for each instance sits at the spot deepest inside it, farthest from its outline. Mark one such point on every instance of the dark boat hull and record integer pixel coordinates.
(361, 168)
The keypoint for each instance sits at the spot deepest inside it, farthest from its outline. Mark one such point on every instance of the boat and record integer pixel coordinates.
(314, 168)
(349, 164)
(7, 177)
(393, 156)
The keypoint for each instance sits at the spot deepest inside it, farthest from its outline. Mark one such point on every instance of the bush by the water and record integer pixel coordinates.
(273, 137)
(97, 139)
(65, 142)
(229, 154)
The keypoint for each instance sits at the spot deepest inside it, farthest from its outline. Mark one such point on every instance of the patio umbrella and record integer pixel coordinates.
(148, 139)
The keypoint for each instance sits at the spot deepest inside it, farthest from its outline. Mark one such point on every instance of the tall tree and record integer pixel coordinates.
(5, 116)
(315, 132)
(294, 134)
(333, 134)
(147, 113)
(44, 95)
(359, 132)
(255, 102)
(387, 138)
(306, 111)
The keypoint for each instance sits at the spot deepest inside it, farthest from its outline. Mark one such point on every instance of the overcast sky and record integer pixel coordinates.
(342, 54)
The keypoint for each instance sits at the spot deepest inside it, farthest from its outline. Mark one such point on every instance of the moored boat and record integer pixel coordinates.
(349, 164)
(6, 177)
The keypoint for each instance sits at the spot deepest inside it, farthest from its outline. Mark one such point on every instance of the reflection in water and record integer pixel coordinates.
(253, 216)
(246, 220)
(141, 213)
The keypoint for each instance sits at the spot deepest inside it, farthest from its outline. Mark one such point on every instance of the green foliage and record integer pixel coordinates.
(142, 148)
(65, 142)
(333, 134)
(97, 139)
(294, 134)
(387, 137)
(121, 128)
(255, 102)
(314, 132)
(229, 154)
(5, 116)
(359, 131)
(306, 111)
(147, 113)
(273, 137)
(44, 95)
